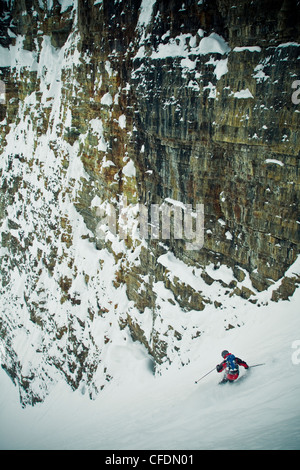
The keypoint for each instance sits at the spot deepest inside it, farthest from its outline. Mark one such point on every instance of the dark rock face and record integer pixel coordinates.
(152, 101)
(206, 146)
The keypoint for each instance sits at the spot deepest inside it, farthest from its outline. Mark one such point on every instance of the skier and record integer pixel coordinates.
(231, 364)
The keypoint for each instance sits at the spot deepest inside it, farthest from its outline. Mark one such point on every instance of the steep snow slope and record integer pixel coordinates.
(140, 411)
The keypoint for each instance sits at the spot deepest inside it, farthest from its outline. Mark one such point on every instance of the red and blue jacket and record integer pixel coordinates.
(231, 374)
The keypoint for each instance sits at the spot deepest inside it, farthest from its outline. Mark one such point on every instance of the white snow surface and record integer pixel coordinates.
(139, 411)
(242, 94)
(178, 47)
(146, 10)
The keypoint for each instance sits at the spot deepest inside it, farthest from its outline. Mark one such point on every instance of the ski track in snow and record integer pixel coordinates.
(138, 411)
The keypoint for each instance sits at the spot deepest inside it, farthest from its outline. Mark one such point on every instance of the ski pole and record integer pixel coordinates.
(256, 365)
(205, 375)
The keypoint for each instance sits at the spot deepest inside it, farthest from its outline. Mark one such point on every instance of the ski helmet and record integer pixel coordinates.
(223, 354)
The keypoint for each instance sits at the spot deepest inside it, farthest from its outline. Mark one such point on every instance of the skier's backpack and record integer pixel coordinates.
(231, 362)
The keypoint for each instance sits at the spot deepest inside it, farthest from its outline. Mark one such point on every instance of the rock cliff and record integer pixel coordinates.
(111, 109)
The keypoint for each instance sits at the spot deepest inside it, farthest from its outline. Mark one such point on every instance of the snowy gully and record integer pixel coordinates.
(153, 459)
